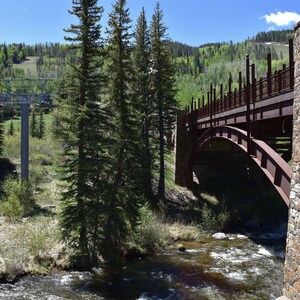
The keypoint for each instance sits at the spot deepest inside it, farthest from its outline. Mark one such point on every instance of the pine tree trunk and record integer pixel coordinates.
(161, 182)
(148, 161)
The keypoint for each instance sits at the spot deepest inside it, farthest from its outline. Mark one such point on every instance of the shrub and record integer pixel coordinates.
(12, 209)
(19, 198)
(11, 147)
(183, 232)
(38, 175)
(223, 217)
(149, 235)
(210, 220)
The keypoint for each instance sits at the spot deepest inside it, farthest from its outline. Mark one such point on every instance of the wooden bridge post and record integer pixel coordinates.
(229, 95)
(253, 82)
(240, 88)
(269, 74)
(215, 106)
(207, 105)
(234, 98)
(221, 96)
(261, 91)
(279, 74)
(248, 121)
(211, 104)
(291, 288)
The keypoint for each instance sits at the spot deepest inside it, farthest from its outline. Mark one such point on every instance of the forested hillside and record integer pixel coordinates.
(196, 67)
(215, 63)
(39, 60)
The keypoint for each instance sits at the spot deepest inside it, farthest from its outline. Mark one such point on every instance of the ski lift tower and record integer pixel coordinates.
(22, 92)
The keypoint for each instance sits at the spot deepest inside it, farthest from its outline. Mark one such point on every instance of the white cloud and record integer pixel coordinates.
(282, 18)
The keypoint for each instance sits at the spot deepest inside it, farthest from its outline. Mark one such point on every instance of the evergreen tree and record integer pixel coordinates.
(41, 131)
(11, 129)
(1, 133)
(5, 52)
(82, 126)
(126, 175)
(163, 87)
(33, 123)
(141, 90)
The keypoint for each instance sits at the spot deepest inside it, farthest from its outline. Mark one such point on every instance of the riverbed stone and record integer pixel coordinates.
(241, 236)
(181, 248)
(291, 289)
(219, 236)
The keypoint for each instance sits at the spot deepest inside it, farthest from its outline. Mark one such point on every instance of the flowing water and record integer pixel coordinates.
(245, 266)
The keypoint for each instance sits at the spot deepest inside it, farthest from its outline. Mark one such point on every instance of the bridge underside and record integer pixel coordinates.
(272, 164)
(223, 171)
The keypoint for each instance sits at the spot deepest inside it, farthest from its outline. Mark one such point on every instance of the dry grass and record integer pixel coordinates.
(210, 198)
(28, 66)
(24, 245)
(182, 232)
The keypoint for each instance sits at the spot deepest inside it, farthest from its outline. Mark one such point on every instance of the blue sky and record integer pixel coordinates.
(193, 22)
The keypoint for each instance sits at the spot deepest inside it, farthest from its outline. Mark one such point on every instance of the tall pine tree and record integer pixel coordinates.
(82, 126)
(41, 125)
(126, 175)
(1, 133)
(163, 88)
(141, 93)
(11, 130)
(33, 123)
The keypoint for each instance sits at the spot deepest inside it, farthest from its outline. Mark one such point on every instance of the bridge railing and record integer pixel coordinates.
(279, 82)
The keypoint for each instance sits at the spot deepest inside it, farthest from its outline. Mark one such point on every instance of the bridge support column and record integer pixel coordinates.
(183, 148)
(291, 289)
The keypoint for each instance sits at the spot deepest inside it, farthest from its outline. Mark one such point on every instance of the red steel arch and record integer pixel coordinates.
(275, 168)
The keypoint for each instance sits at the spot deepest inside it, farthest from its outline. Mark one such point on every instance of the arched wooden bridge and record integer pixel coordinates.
(257, 118)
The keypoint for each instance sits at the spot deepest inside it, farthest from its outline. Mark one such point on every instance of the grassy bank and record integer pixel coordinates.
(31, 240)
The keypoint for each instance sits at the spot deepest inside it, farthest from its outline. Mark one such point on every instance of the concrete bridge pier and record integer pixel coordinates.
(291, 289)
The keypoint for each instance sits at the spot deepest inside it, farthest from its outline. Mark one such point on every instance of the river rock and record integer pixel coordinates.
(241, 236)
(219, 236)
(181, 248)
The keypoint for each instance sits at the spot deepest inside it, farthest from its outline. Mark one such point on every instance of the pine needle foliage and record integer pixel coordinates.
(41, 125)
(11, 129)
(1, 133)
(82, 125)
(122, 206)
(33, 123)
(163, 90)
(142, 98)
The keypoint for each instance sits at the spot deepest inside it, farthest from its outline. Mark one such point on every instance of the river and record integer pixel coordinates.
(248, 265)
